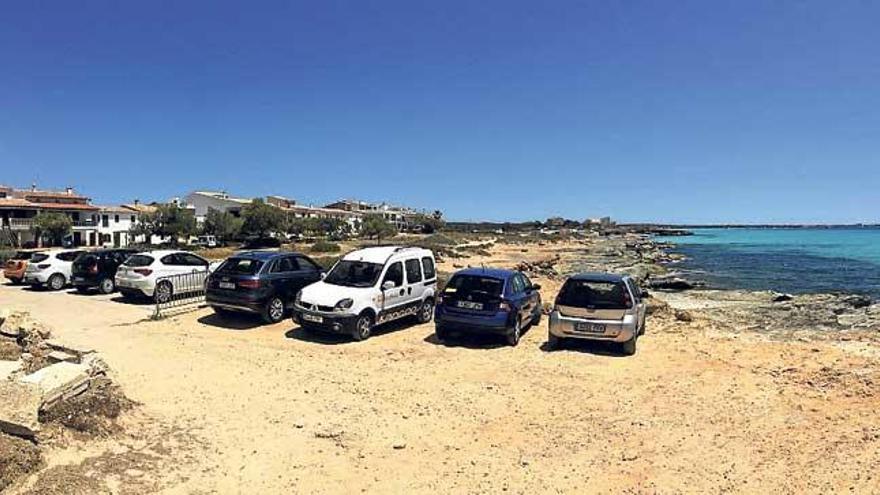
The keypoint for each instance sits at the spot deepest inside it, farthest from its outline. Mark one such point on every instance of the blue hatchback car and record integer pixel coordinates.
(488, 300)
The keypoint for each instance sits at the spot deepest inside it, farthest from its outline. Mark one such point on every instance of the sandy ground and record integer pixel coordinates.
(237, 407)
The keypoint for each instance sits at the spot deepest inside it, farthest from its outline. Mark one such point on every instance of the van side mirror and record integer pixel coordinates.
(388, 285)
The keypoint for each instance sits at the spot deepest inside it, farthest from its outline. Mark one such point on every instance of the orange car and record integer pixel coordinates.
(15, 266)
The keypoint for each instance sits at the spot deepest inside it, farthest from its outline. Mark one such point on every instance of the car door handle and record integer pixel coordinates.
(409, 290)
(402, 292)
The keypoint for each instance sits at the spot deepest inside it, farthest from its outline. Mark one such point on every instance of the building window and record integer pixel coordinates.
(132, 219)
(116, 219)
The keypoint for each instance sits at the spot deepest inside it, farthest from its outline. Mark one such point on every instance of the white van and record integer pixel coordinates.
(369, 287)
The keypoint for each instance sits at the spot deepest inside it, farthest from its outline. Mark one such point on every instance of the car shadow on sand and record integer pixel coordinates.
(137, 301)
(596, 347)
(232, 321)
(330, 338)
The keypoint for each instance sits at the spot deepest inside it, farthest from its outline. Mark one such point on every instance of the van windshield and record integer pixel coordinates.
(594, 295)
(354, 274)
(474, 288)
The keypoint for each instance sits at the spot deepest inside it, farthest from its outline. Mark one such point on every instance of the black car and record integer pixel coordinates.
(260, 282)
(97, 269)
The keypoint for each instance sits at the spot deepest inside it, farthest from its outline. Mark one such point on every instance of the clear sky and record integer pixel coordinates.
(682, 111)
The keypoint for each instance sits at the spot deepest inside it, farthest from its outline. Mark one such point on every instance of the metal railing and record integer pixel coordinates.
(180, 293)
(21, 223)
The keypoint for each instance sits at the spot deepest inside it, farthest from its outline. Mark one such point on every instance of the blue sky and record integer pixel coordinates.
(502, 110)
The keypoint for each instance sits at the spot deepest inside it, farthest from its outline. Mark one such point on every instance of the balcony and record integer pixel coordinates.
(28, 224)
(21, 223)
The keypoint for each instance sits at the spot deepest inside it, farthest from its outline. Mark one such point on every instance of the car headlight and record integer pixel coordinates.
(344, 304)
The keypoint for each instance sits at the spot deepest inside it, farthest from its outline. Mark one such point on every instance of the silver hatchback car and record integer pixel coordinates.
(599, 306)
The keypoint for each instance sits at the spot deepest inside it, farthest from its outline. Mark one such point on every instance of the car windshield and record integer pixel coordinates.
(594, 295)
(240, 266)
(474, 287)
(354, 274)
(139, 260)
(37, 258)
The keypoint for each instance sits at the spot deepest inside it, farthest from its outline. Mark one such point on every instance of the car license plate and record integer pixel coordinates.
(590, 328)
(470, 305)
(226, 285)
(313, 318)
(78, 279)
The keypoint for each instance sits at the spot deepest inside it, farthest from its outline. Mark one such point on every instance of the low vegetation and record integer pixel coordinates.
(325, 247)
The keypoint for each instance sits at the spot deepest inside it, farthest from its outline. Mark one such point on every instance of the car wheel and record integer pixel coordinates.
(642, 330)
(15, 281)
(274, 310)
(537, 319)
(629, 347)
(441, 334)
(363, 327)
(426, 312)
(515, 333)
(82, 289)
(553, 341)
(107, 286)
(163, 292)
(56, 282)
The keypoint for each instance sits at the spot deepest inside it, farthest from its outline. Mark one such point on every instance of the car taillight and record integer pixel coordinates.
(249, 284)
(93, 269)
(504, 306)
(627, 302)
(143, 271)
(440, 299)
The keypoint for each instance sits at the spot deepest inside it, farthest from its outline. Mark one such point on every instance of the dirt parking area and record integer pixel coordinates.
(238, 407)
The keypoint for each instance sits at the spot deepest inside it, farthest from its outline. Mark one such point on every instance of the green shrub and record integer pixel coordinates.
(325, 247)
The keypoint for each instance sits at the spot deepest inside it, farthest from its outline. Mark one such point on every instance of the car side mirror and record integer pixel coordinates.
(323, 275)
(536, 286)
(388, 285)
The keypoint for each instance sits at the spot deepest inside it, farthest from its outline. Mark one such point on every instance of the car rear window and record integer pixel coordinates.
(137, 260)
(23, 255)
(39, 257)
(474, 287)
(68, 256)
(87, 260)
(594, 294)
(240, 266)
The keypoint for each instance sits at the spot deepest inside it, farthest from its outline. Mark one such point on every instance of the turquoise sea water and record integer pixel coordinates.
(787, 260)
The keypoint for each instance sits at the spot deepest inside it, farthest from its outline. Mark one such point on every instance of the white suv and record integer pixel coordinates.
(51, 268)
(145, 274)
(369, 287)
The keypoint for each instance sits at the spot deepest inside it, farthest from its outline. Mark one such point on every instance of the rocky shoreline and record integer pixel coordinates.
(773, 313)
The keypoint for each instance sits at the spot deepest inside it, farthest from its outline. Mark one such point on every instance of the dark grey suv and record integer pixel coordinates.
(262, 282)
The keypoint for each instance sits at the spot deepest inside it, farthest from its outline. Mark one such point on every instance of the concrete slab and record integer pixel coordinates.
(19, 408)
(61, 356)
(77, 350)
(7, 368)
(59, 381)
